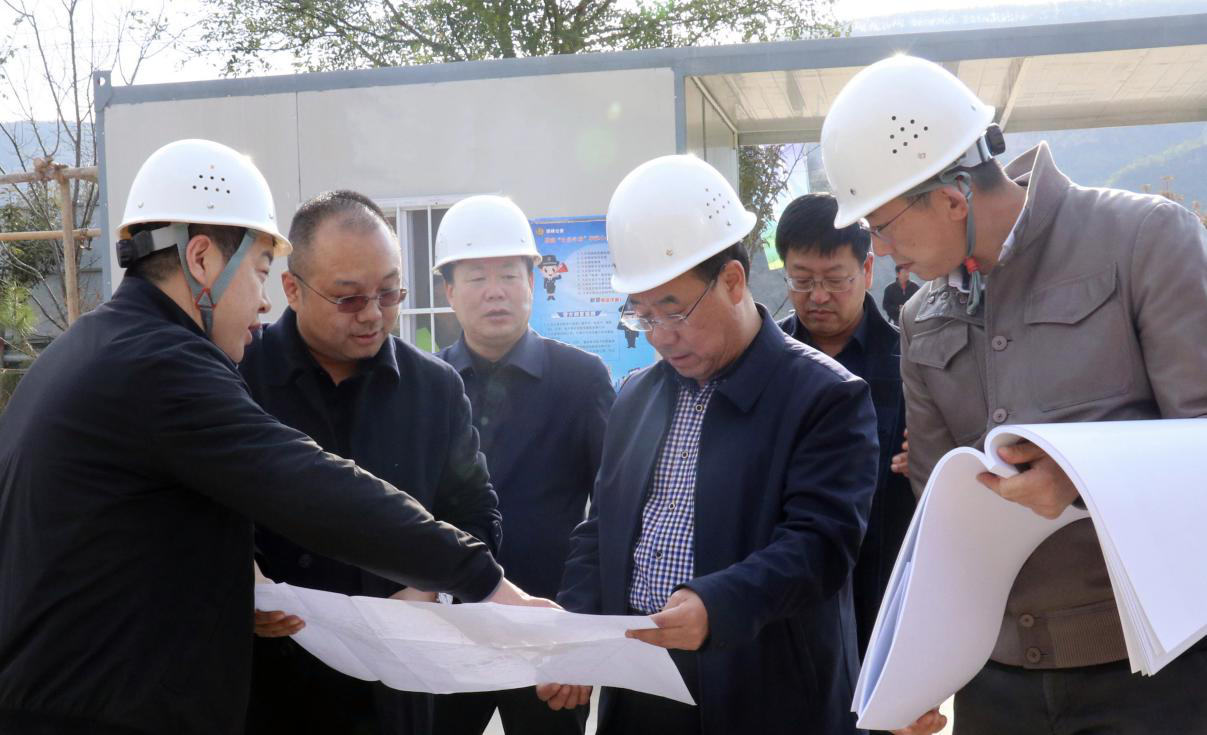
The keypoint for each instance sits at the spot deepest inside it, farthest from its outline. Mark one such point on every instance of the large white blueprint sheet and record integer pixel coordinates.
(443, 649)
(1143, 484)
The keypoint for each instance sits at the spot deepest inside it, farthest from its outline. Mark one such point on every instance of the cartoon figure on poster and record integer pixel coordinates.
(580, 307)
(630, 335)
(552, 270)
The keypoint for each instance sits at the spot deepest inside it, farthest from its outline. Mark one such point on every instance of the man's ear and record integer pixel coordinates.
(733, 277)
(293, 289)
(203, 259)
(867, 271)
(952, 203)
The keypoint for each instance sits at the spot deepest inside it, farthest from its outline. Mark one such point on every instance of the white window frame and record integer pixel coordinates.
(401, 207)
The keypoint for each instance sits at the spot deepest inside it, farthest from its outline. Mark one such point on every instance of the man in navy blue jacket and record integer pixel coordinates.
(829, 272)
(735, 482)
(329, 367)
(540, 407)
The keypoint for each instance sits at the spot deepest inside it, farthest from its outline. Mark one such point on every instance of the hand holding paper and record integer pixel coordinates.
(1142, 484)
(682, 624)
(1043, 487)
(928, 724)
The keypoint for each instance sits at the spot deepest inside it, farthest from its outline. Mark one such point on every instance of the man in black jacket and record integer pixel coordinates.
(828, 272)
(897, 293)
(540, 407)
(133, 462)
(330, 368)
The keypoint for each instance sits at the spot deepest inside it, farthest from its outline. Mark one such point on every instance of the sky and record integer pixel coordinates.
(97, 19)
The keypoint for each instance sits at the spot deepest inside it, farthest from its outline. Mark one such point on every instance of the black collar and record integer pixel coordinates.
(528, 355)
(138, 291)
(283, 335)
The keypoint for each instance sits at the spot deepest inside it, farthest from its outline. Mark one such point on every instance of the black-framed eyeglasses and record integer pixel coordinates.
(356, 304)
(670, 322)
(879, 230)
(830, 285)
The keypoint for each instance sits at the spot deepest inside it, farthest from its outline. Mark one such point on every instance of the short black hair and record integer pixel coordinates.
(711, 268)
(356, 211)
(161, 264)
(807, 225)
(900, 268)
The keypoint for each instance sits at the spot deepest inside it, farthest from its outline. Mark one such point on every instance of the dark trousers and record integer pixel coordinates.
(294, 693)
(1093, 700)
(519, 709)
(635, 713)
(14, 722)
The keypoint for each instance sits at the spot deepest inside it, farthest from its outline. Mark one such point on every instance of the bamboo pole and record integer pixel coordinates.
(46, 170)
(71, 252)
(41, 174)
(82, 234)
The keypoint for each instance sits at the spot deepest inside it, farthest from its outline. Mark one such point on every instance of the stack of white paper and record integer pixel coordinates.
(444, 649)
(1142, 482)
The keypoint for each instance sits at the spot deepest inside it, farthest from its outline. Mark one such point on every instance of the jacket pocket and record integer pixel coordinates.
(953, 377)
(1078, 333)
(936, 347)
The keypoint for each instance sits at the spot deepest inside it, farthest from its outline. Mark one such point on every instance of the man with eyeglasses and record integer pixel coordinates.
(1046, 302)
(735, 483)
(540, 407)
(330, 368)
(829, 272)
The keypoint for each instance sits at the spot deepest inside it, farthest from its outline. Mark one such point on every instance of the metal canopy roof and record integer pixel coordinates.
(1039, 78)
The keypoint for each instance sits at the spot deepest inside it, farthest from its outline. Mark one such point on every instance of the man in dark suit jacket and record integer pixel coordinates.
(734, 487)
(828, 273)
(329, 367)
(897, 293)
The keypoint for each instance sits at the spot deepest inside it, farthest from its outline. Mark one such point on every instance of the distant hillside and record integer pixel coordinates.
(1128, 158)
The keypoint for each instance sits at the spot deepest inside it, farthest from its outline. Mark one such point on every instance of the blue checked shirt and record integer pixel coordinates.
(663, 557)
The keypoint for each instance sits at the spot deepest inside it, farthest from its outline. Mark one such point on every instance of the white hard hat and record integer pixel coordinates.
(204, 183)
(896, 124)
(484, 226)
(667, 216)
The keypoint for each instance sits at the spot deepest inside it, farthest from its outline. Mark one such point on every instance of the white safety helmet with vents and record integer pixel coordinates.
(669, 215)
(198, 182)
(484, 226)
(201, 182)
(897, 124)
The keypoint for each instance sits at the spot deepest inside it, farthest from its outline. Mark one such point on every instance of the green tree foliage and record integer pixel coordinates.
(323, 35)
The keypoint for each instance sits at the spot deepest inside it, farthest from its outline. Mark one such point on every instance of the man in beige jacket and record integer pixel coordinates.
(1050, 302)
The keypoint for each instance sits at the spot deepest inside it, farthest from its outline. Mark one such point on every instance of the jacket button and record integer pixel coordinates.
(699, 407)
(999, 343)
(1026, 620)
(305, 560)
(1034, 655)
(657, 554)
(999, 415)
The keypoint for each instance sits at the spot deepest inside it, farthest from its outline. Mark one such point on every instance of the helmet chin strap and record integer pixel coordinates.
(205, 299)
(963, 181)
